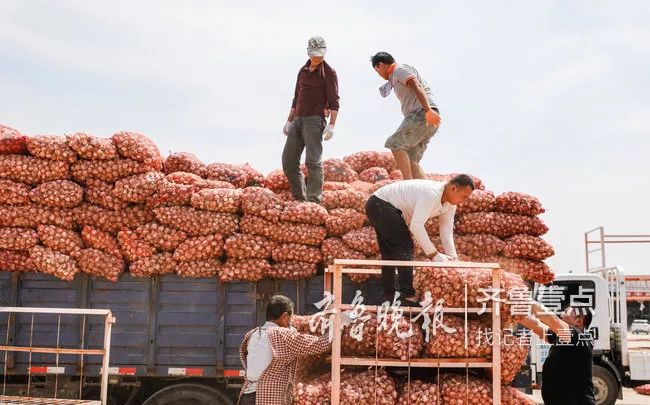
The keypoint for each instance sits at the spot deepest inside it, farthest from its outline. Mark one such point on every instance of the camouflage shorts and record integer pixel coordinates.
(412, 136)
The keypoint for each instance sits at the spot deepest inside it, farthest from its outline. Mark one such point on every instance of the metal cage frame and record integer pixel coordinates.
(333, 283)
(58, 351)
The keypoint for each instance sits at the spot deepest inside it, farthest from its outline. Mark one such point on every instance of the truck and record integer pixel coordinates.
(602, 290)
(640, 326)
(175, 340)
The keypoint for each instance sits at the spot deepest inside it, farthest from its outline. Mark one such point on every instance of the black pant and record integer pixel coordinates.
(395, 243)
(248, 399)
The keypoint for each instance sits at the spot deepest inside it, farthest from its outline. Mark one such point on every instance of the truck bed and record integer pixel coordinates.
(162, 323)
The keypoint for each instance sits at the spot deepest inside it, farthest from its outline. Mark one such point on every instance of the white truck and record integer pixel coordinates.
(640, 326)
(614, 364)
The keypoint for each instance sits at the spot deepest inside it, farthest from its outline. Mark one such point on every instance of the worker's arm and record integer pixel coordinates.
(535, 325)
(413, 84)
(421, 211)
(294, 102)
(557, 325)
(292, 114)
(332, 101)
(332, 94)
(333, 116)
(446, 225)
(302, 344)
(432, 117)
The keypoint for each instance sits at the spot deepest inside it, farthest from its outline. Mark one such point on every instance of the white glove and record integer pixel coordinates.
(287, 128)
(441, 258)
(328, 133)
(346, 318)
(385, 89)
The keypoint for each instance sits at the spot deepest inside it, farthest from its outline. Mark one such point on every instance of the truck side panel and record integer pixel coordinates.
(129, 301)
(306, 293)
(162, 322)
(39, 290)
(187, 330)
(241, 316)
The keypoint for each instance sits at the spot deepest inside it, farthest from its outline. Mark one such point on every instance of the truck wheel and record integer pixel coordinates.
(605, 386)
(183, 394)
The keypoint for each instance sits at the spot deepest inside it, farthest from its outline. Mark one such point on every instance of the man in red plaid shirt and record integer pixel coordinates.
(269, 355)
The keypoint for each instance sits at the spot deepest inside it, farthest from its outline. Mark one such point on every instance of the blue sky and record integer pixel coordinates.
(550, 98)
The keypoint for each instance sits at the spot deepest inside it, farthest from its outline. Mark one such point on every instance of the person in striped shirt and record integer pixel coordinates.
(269, 355)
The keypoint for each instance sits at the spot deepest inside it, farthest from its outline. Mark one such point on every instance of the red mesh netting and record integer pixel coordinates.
(60, 239)
(200, 248)
(14, 193)
(184, 162)
(138, 147)
(50, 147)
(58, 193)
(283, 231)
(155, 265)
(32, 170)
(92, 147)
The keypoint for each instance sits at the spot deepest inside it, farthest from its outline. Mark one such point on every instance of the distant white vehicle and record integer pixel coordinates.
(641, 326)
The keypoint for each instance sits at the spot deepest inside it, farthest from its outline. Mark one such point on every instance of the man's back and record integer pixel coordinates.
(260, 355)
(567, 372)
(404, 195)
(274, 386)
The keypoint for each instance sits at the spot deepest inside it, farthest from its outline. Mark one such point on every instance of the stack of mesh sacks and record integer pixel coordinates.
(362, 385)
(278, 239)
(103, 206)
(367, 387)
(504, 229)
(107, 205)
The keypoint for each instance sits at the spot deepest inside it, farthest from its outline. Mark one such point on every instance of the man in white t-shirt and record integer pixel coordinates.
(421, 115)
(399, 210)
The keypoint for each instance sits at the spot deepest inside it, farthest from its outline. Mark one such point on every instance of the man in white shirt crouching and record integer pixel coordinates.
(400, 209)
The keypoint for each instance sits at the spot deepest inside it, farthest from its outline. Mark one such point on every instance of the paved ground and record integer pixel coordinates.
(629, 398)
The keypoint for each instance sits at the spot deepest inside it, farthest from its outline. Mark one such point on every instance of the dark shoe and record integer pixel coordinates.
(410, 303)
(403, 302)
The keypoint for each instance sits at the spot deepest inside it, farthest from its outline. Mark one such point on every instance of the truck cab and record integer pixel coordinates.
(601, 291)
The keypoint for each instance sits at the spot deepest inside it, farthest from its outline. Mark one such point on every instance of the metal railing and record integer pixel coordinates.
(58, 351)
(598, 237)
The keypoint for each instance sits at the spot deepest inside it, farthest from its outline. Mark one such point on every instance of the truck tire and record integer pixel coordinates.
(605, 386)
(183, 394)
